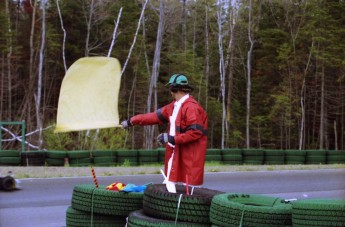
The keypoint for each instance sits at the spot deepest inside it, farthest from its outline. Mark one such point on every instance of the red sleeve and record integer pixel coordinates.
(160, 116)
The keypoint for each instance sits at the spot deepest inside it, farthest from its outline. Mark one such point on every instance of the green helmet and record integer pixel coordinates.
(178, 79)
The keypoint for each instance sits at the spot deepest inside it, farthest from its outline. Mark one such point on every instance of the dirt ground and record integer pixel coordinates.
(47, 172)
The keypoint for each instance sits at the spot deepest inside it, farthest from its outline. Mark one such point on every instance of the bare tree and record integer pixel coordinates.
(249, 68)
(221, 68)
(64, 36)
(155, 70)
(40, 74)
(207, 52)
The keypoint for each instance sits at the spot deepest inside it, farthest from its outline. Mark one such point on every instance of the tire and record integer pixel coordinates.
(318, 212)
(139, 219)
(77, 218)
(103, 153)
(213, 152)
(249, 210)
(335, 159)
(215, 158)
(78, 154)
(104, 161)
(232, 157)
(10, 160)
(7, 183)
(10, 153)
(55, 161)
(232, 151)
(56, 154)
(293, 159)
(159, 203)
(274, 152)
(88, 198)
(79, 161)
(316, 159)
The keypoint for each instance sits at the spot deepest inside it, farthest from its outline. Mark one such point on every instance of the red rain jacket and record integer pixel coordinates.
(190, 139)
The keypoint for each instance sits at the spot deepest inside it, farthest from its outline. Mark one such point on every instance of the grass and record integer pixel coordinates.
(125, 169)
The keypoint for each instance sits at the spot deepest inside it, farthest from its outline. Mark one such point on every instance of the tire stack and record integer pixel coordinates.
(213, 155)
(318, 212)
(147, 157)
(274, 157)
(335, 157)
(235, 210)
(93, 206)
(161, 208)
(79, 158)
(104, 158)
(56, 158)
(316, 157)
(232, 156)
(127, 157)
(33, 158)
(253, 156)
(10, 158)
(161, 154)
(294, 157)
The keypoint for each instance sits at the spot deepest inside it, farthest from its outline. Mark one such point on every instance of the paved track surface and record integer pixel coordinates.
(43, 202)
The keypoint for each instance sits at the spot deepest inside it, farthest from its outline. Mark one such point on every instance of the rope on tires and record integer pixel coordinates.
(241, 221)
(93, 192)
(178, 207)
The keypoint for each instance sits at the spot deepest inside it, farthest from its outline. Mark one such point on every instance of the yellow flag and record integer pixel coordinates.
(89, 95)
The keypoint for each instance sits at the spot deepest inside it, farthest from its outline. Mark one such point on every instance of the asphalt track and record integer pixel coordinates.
(43, 202)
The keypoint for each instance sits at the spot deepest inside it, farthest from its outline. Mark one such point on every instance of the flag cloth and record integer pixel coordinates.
(89, 95)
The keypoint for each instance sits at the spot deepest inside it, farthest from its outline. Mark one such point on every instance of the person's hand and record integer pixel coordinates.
(126, 124)
(164, 138)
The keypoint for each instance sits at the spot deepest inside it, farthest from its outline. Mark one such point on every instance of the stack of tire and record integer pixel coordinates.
(232, 156)
(213, 155)
(274, 157)
(33, 158)
(318, 212)
(316, 157)
(104, 158)
(253, 156)
(10, 158)
(93, 206)
(161, 154)
(161, 208)
(56, 158)
(335, 157)
(127, 157)
(79, 158)
(231, 209)
(295, 157)
(147, 157)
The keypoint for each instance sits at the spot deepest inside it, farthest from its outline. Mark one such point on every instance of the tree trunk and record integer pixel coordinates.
(64, 36)
(88, 24)
(155, 71)
(322, 110)
(207, 55)
(249, 85)
(221, 69)
(40, 72)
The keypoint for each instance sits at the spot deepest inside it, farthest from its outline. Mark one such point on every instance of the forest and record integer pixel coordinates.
(269, 73)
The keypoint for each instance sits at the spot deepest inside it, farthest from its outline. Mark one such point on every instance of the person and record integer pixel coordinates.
(186, 141)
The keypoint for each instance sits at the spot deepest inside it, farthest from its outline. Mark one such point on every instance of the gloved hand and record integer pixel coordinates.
(126, 124)
(164, 138)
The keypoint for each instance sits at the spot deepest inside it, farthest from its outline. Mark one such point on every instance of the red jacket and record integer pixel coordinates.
(190, 139)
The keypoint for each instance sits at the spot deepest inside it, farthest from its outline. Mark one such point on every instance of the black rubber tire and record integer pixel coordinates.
(232, 157)
(316, 159)
(55, 161)
(77, 218)
(56, 154)
(232, 151)
(80, 161)
(249, 210)
(104, 153)
(214, 158)
(10, 160)
(213, 152)
(274, 153)
(159, 203)
(79, 154)
(127, 153)
(87, 197)
(7, 183)
(295, 152)
(139, 219)
(318, 212)
(9, 153)
(253, 152)
(104, 160)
